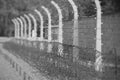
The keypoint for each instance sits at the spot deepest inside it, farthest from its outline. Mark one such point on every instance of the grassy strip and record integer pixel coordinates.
(52, 64)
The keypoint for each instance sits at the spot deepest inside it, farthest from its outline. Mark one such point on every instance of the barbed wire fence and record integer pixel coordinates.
(55, 57)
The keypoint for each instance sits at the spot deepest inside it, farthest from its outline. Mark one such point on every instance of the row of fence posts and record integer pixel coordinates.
(24, 23)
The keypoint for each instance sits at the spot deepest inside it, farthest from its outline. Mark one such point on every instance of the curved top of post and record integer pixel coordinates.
(40, 15)
(57, 7)
(97, 2)
(16, 21)
(47, 11)
(20, 21)
(74, 8)
(28, 19)
(23, 20)
(34, 20)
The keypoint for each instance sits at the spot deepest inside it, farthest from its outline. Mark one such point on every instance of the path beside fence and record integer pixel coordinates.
(6, 71)
(21, 68)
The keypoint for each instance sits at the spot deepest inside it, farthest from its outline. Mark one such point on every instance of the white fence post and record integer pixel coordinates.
(49, 23)
(18, 26)
(21, 30)
(60, 36)
(41, 26)
(49, 27)
(15, 28)
(60, 33)
(25, 26)
(34, 31)
(98, 63)
(75, 31)
(29, 26)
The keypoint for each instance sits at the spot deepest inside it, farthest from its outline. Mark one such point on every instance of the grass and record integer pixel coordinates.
(62, 67)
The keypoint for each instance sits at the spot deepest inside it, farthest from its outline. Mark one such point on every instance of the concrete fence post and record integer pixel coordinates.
(60, 34)
(49, 28)
(34, 31)
(49, 22)
(41, 27)
(41, 21)
(75, 30)
(18, 26)
(60, 30)
(98, 62)
(21, 27)
(29, 26)
(25, 26)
